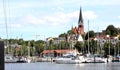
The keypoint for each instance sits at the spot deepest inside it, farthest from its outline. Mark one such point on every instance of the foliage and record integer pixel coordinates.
(111, 30)
(106, 47)
(36, 47)
(91, 35)
(63, 35)
(70, 32)
(79, 46)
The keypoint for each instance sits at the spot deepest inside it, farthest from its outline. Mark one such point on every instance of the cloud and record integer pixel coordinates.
(31, 19)
(34, 4)
(86, 15)
(15, 25)
(54, 19)
(57, 3)
(90, 15)
(57, 19)
(99, 2)
(119, 17)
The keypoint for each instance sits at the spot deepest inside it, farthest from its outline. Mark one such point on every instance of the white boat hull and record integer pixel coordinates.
(68, 61)
(9, 59)
(94, 60)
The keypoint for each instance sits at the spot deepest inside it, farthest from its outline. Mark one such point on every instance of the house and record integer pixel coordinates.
(55, 53)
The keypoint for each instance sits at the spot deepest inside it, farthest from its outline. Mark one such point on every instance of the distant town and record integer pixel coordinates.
(76, 38)
(59, 35)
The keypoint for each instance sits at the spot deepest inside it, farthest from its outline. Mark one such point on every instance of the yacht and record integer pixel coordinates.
(69, 59)
(94, 59)
(9, 59)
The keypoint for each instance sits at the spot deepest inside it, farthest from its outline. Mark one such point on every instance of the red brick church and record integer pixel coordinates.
(80, 29)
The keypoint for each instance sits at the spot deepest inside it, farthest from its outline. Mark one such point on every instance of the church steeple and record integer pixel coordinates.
(80, 21)
(80, 29)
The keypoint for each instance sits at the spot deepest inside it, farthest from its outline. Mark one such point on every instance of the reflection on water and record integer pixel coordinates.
(53, 66)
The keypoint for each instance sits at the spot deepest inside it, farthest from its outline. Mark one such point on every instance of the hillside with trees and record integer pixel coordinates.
(36, 47)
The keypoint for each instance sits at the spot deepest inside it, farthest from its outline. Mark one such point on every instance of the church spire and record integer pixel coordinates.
(80, 21)
(80, 29)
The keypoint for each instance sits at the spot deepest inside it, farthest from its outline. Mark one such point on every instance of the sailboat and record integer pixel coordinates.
(69, 58)
(8, 58)
(72, 57)
(93, 58)
(27, 59)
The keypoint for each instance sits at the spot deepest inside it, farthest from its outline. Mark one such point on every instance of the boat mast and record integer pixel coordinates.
(5, 19)
(98, 41)
(29, 49)
(118, 46)
(88, 36)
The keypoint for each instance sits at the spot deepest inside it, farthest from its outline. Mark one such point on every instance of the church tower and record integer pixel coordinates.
(80, 23)
(80, 29)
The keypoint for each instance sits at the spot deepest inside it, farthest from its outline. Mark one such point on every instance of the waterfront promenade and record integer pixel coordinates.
(54, 66)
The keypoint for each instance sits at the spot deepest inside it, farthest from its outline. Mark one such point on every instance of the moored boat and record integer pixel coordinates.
(9, 59)
(116, 59)
(94, 59)
(69, 59)
(23, 60)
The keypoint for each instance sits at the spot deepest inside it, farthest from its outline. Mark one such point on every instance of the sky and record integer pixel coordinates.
(49, 18)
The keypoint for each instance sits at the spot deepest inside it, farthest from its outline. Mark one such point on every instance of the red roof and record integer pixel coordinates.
(57, 51)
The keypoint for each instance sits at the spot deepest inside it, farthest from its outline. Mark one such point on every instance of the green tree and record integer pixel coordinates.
(79, 46)
(39, 46)
(111, 30)
(93, 46)
(70, 32)
(106, 48)
(24, 48)
(91, 35)
(63, 35)
(108, 32)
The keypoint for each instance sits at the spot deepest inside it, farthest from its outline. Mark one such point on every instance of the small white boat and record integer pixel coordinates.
(69, 60)
(23, 60)
(94, 59)
(9, 59)
(46, 59)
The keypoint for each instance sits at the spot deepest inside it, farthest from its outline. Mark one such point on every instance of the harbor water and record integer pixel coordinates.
(54, 66)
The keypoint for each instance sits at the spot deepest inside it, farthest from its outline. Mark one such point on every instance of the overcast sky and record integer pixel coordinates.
(49, 18)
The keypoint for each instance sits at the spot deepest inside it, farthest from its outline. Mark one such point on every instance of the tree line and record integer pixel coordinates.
(36, 47)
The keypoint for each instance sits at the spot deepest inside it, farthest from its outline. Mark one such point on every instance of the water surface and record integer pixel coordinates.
(54, 66)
